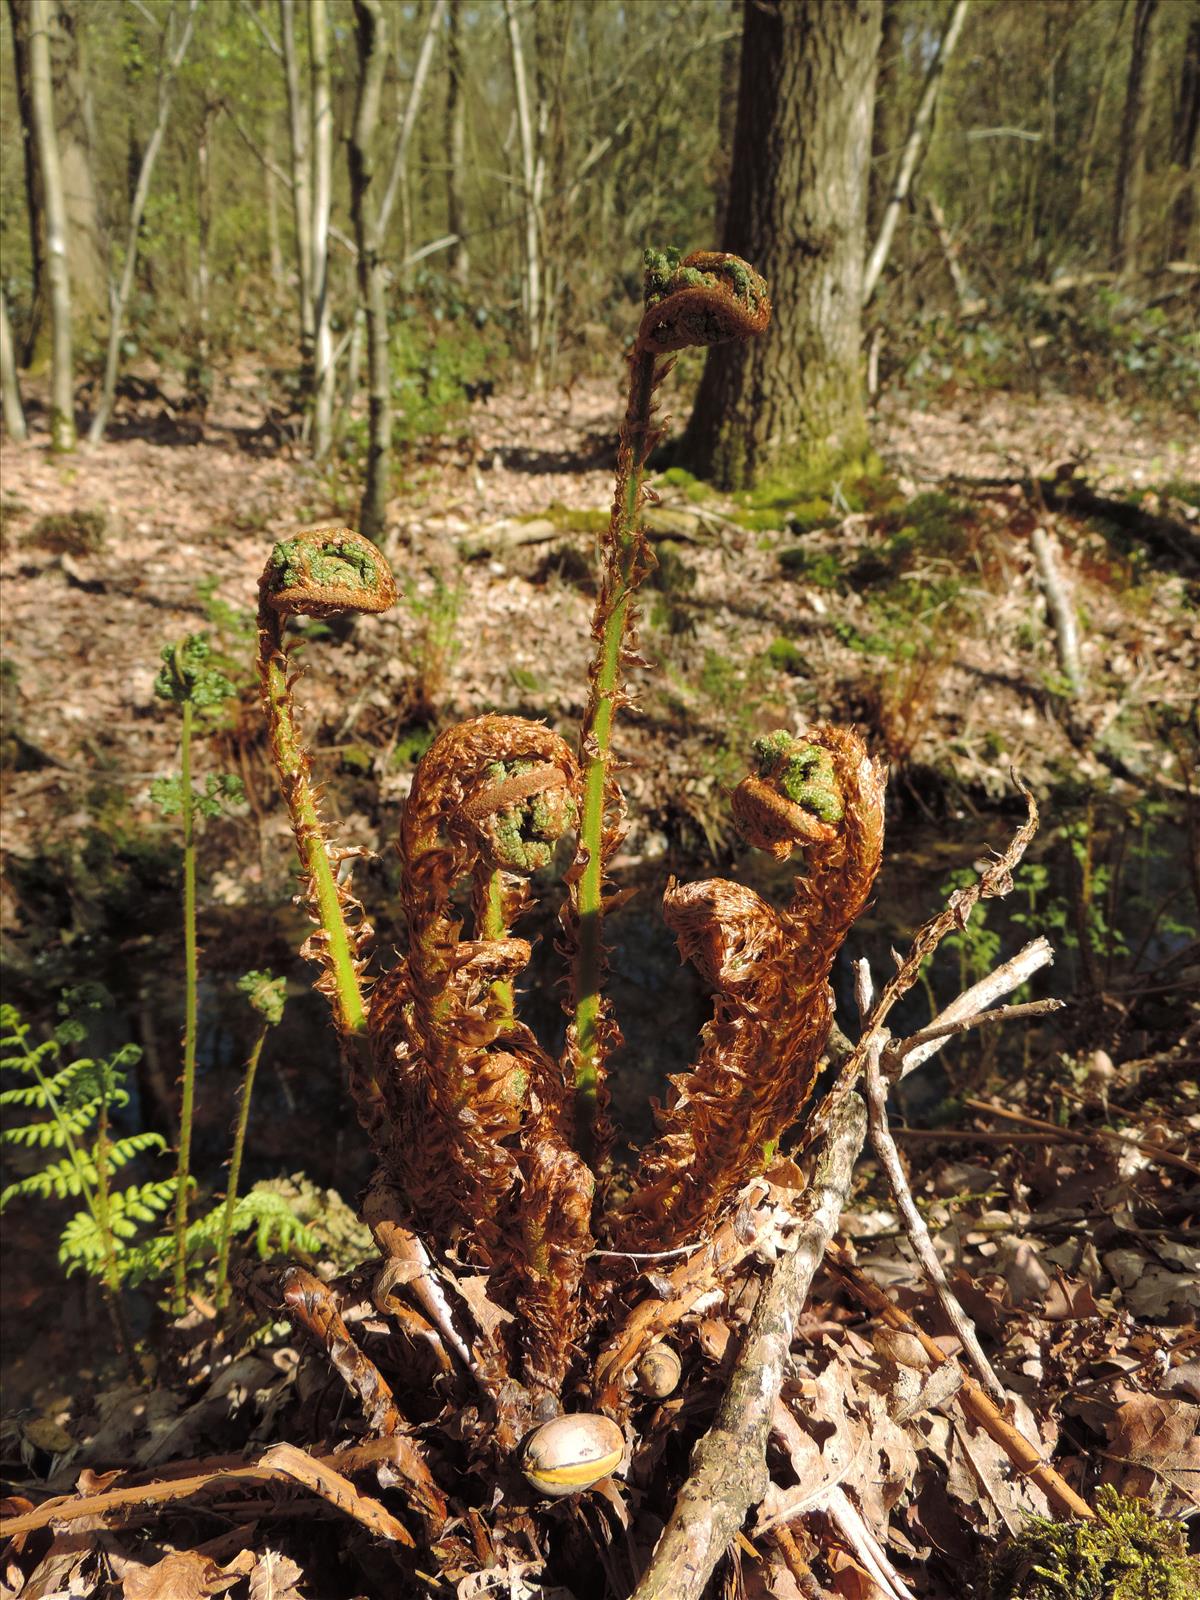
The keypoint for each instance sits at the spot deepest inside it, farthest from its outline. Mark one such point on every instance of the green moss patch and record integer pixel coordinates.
(1126, 1554)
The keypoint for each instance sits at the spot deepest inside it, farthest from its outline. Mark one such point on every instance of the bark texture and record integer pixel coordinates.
(62, 386)
(801, 154)
(1135, 129)
(371, 39)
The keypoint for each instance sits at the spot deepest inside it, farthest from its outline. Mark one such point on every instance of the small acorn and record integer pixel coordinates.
(569, 1454)
(658, 1371)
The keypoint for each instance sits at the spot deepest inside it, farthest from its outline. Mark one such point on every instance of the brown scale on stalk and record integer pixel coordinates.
(322, 572)
(479, 1115)
(773, 1007)
(709, 297)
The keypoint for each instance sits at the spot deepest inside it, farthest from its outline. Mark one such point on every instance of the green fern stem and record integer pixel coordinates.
(191, 982)
(494, 927)
(349, 1012)
(235, 1170)
(628, 545)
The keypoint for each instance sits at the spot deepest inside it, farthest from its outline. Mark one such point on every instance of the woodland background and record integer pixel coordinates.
(1028, 358)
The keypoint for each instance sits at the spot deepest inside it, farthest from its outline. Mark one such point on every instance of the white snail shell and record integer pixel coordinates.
(572, 1453)
(658, 1371)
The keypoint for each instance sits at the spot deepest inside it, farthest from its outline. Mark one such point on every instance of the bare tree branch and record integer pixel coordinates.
(729, 1465)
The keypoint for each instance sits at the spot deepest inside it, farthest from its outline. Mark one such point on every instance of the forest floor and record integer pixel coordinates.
(904, 597)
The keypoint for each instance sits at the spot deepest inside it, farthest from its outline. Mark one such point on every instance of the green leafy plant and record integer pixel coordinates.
(266, 995)
(190, 681)
(76, 1100)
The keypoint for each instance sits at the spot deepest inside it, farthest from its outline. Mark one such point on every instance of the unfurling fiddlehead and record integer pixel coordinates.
(706, 298)
(321, 572)
(770, 971)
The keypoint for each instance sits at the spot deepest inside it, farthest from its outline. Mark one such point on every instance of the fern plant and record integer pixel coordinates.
(189, 680)
(76, 1101)
(72, 1105)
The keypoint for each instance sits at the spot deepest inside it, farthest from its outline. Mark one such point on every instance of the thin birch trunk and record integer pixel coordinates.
(455, 133)
(14, 414)
(322, 147)
(119, 296)
(371, 40)
(531, 295)
(922, 118)
(274, 248)
(62, 387)
(301, 191)
(408, 121)
(201, 377)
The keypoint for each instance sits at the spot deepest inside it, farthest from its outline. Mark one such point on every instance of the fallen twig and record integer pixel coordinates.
(971, 1004)
(1087, 1135)
(918, 1232)
(994, 881)
(320, 1475)
(971, 1396)
(729, 1466)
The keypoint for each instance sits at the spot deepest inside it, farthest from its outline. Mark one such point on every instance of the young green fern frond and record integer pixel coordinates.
(322, 572)
(703, 299)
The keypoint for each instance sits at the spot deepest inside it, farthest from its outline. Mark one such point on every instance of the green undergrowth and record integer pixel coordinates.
(1126, 1554)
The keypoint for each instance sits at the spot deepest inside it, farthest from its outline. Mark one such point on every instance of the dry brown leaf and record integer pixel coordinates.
(183, 1575)
(851, 1580)
(1159, 1439)
(275, 1577)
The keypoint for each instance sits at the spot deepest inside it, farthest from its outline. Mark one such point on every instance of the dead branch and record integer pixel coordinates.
(947, 1030)
(968, 1007)
(1099, 1136)
(729, 1467)
(1060, 608)
(918, 1232)
(994, 881)
(972, 1398)
(320, 1475)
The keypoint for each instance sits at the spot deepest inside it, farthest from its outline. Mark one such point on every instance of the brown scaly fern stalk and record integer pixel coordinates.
(773, 1009)
(479, 1113)
(322, 572)
(707, 298)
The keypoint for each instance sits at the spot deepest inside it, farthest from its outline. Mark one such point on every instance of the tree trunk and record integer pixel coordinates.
(10, 394)
(456, 124)
(199, 373)
(371, 39)
(34, 346)
(886, 132)
(922, 118)
(120, 292)
(794, 398)
(322, 147)
(301, 192)
(274, 247)
(62, 388)
(86, 254)
(531, 286)
(1185, 212)
(1131, 154)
